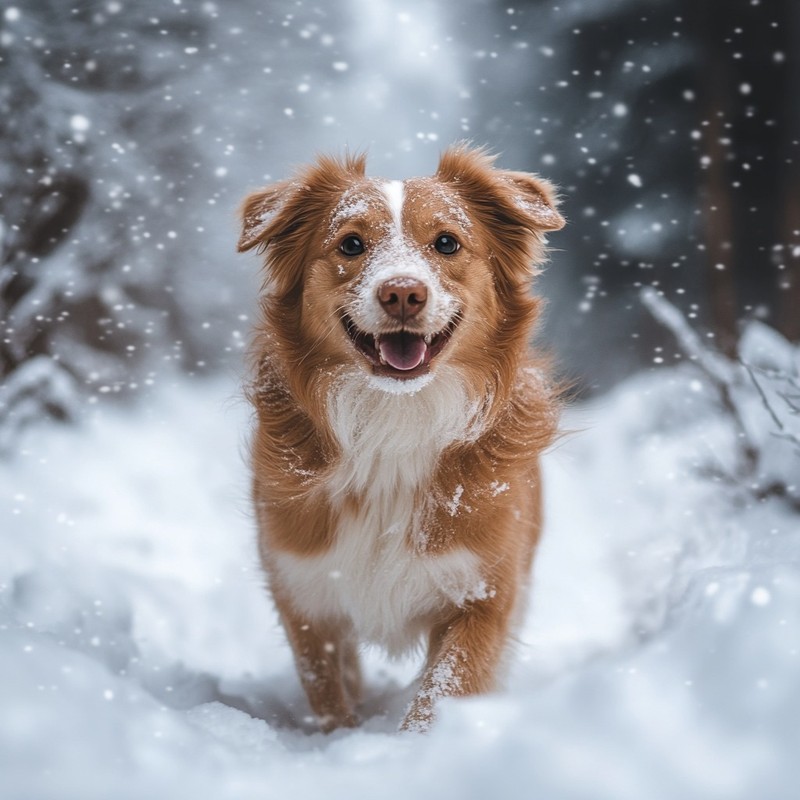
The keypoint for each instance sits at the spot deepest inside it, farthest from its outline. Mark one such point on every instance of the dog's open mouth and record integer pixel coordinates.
(403, 354)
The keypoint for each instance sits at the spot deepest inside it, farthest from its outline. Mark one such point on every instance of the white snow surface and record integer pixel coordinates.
(140, 656)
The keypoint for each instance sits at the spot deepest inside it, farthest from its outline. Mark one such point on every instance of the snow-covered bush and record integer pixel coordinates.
(759, 395)
(91, 198)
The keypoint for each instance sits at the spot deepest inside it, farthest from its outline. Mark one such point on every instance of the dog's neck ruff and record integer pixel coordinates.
(391, 433)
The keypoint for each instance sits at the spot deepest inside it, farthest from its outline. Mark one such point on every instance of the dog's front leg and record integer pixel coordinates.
(463, 659)
(327, 664)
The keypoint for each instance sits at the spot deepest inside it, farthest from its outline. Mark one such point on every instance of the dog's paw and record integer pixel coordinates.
(418, 718)
(330, 722)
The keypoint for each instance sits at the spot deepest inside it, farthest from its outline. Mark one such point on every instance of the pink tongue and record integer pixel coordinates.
(402, 350)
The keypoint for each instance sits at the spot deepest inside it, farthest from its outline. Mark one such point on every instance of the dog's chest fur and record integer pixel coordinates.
(376, 574)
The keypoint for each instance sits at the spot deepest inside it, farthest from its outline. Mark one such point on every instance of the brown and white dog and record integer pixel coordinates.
(400, 418)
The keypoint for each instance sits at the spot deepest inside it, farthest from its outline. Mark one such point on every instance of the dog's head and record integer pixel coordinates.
(396, 278)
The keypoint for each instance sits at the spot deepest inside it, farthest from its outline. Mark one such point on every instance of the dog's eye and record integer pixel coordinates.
(352, 246)
(446, 244)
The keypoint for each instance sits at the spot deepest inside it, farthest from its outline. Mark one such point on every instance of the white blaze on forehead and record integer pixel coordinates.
(392, 256)
(394, 192)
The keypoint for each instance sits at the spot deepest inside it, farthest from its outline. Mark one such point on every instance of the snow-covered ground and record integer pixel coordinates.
(140, 657)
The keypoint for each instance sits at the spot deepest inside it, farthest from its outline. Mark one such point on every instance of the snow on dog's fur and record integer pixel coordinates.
(400, 417)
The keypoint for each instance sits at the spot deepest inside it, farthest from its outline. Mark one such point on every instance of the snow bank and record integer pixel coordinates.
(139, 656)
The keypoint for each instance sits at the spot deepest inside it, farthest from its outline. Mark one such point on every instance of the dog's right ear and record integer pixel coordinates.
(257, 213)
(282, 219)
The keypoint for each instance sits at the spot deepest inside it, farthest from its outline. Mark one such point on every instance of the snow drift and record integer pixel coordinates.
(139, 655)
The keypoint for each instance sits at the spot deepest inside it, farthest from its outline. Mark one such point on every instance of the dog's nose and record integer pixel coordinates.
(403, 298)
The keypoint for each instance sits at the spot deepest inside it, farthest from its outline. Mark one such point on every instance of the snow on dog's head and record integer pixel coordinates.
(396, 279)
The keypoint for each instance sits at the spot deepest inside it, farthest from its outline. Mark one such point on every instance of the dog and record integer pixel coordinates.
(399, 418)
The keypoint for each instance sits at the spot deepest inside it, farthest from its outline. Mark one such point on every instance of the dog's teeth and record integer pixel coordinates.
(428, 338)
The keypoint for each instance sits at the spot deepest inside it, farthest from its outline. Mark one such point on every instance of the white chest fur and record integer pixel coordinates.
(372, 578)
(371, 575)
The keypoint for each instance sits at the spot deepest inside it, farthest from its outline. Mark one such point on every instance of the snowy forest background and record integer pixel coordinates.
(661, 654)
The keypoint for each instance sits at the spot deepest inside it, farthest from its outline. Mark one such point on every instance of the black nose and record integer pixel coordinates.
(403, 298)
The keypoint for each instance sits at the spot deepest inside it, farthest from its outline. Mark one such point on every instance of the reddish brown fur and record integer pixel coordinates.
(299, 349)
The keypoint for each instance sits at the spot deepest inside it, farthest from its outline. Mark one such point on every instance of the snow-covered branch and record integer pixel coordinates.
(758, 396)
(782, 432)
(37, 384)
(715, 365)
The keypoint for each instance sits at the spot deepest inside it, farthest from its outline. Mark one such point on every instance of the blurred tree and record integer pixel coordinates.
(84, 256)
(674, 131)
(743, 67)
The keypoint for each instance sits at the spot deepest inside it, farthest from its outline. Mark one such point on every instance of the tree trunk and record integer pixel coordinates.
(715, 83)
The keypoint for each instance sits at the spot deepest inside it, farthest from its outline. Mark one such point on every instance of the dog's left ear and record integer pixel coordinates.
(258, 211)
(502, 197)
(535, 197)
(516, 208)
